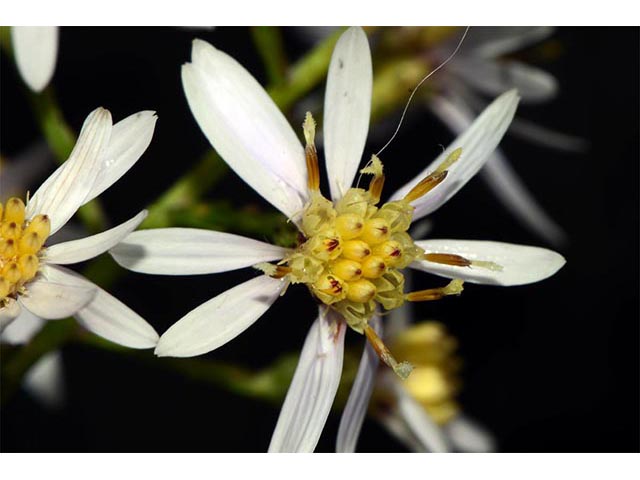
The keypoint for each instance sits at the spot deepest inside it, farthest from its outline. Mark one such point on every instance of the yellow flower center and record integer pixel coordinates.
(434, 381)
(21, 242)
(351, 252)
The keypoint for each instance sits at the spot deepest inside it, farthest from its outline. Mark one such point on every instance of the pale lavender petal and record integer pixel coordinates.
(518, 264)
(313, 388)
(245, 127)
(65, 190)
(36, 52)
(356, 407)
(89, 247)
(477, 143)
(190, 251)
(221, 319)
(347, 107)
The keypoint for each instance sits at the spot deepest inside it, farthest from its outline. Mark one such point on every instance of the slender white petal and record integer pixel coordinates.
(477, 143)
(36, 51)
(505, 183)
(221, 319)
(396, 425)
(546, 137)
(521, 264)
(64, 192)
(313, 388)
(85, 248)
(495, 77)
(190, 251)
(107, 316)
(246, 127)
(51, 296)
(347, 107)
(419, 422)
(129, 140)
(356, 407)
(23, 328)
(491, 42)
(509, 188)
(45, 380)
(9, 313)
(466, 435)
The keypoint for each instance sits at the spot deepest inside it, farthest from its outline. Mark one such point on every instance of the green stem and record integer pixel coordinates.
(268, 42)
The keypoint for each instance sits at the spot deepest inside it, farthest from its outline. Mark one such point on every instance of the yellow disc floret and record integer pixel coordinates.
(21, 242)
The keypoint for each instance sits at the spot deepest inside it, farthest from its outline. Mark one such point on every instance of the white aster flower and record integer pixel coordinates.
(36, 52)
(352, 251)
(33, 282)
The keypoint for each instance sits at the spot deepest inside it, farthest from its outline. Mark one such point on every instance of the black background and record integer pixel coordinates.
(548, 367)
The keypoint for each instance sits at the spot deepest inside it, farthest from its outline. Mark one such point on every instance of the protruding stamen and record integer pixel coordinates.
(373, 267)
(356, 250)
(377, 182)
(402, 369)
(425, 186)
(330, 285)
(349, 225)
(390, 252)
(376, 230)
(311, 154)
(271, 270)
(348, 270)
(450, 160)
(453, 288)
(361, 291)
(447, 259)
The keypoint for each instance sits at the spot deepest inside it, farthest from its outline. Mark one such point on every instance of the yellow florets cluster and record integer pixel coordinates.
(21, 241)
(353, 252)
(434, 381)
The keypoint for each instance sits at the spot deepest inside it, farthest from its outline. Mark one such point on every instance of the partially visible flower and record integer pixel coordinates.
(482, 68)
(351, 250)
(36, 52)
(421, 412)
(32, 280)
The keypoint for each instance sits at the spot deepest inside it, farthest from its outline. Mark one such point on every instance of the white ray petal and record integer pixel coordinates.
(190, 251)
(221, 319)
(313, 388)
(107, 316)
(23, 328)
(514, 194)
(36, 51)
(130, 138)
(495, 77)
(65, 190)
(246, 127)
(9, 313)
(52, 297)
(419, 422)
(347, 108)
(45, 380)
(505, 183)
(521, 264)
(477, 143)
(546, 137)
(397, 427)
(85, 248)
(358, 401)
(466, 435)
(491, 42)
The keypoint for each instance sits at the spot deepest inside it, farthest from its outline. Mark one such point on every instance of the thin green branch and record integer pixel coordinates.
(268, 42)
